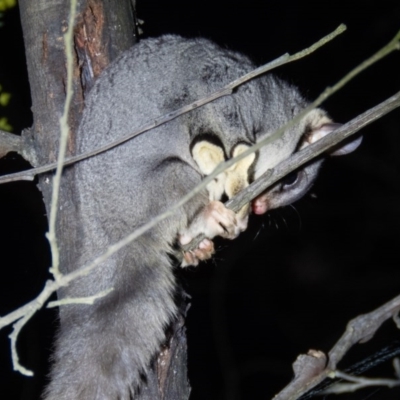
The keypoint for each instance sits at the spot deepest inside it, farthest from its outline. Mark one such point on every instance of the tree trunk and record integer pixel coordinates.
(103, 30)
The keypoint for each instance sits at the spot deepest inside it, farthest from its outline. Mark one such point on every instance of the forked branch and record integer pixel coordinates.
(311, 369)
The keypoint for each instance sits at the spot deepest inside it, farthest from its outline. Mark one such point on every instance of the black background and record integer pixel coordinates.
(294, 279)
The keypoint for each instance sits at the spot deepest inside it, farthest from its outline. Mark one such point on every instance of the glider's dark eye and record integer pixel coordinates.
(290, 179)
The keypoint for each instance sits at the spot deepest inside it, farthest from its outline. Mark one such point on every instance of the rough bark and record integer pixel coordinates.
(103, 29)
(97, 42)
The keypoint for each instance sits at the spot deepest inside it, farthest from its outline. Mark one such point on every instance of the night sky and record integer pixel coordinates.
(296, 276)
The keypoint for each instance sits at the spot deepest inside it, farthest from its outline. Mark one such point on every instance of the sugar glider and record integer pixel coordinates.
(103, 350)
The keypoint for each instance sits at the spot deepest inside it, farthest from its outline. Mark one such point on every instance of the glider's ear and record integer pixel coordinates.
(342, 148)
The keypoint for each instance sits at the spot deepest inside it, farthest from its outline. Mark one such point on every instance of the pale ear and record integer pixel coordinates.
(340, 149)
(238, 174)
(243, 165)
(207, 156)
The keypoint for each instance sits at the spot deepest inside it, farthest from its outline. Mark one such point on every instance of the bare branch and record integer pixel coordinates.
(226, 90)
(24, 314)
(9, 142)
(359, 330)
(79, 300)
(20, 144)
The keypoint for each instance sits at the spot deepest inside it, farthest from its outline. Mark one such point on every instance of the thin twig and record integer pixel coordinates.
(357, 382)
(226, 90)
(79, 300)
(64, 133)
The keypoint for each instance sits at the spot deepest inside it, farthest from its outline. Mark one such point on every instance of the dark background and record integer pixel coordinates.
(293, 280)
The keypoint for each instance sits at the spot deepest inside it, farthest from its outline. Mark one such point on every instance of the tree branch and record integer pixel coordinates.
(308, 371)
(20, 144)
(226, 90)
(10, 142)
